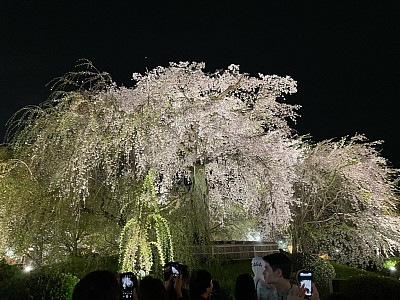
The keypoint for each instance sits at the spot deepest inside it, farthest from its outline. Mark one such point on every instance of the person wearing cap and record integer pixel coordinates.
(264, 292)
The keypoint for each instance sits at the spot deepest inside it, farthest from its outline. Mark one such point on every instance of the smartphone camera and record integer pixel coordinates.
(305, 278)
(127, 285)
(175, 270)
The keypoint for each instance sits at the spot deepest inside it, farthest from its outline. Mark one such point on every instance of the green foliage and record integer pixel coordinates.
(146, 237)
(51, 285)
(391, 267)
(84, 212)
(371, 288)
(9, 272)
(5, 153)
(80, 266)
(345, 272)
(391, 262)
(226, 272)
(39, 285)
(322, 270)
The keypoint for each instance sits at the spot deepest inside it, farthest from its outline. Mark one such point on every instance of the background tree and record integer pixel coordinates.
(347, 202)
(42, 229)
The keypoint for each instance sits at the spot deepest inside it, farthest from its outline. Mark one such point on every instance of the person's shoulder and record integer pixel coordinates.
(265, 289)
(221, 294)
(264, 285)
(268, 293)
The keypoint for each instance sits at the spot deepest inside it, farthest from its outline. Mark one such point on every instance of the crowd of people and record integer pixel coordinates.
(271, 281)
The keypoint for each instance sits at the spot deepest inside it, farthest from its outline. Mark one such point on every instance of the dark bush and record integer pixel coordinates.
(9, 272)
(39, 285)
(14, 289)
(11, 282)
(54, 281)
(51, 285)
(322, 270)
(371, 288)
(80, 266)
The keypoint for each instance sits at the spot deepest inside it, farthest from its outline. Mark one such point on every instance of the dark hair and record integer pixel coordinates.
(337, 296)
(280, 261)
(216, 285)
(102, 285)
(244, 288)
(151, 288)
(199, 281)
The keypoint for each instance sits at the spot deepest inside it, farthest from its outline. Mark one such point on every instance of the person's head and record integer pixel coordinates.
(244, 288)
(277, 266)
(337, 296)
(200, 284)
(101, 285)
(258, 267)
(151, 288)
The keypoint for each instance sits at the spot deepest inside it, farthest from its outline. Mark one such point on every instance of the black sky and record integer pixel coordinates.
(344, 57)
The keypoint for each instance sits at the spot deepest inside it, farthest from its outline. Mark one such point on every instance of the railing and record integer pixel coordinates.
(241, 250)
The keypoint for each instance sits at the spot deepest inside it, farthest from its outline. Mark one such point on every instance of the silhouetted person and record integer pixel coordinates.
(97, 285)
(151, 289)
(244, 288)
(219, 293)
(200, 285)
(175, 285)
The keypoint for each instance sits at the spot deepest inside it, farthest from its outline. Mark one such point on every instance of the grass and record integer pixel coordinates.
(344, 272)
(226, 272)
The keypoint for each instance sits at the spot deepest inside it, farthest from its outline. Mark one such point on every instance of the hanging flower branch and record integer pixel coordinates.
(145, 229)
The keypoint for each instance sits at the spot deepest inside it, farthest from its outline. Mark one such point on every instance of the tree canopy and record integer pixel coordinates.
(195, 154)
(347, 201)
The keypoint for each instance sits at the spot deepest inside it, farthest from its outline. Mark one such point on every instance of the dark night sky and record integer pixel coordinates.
(346, 58)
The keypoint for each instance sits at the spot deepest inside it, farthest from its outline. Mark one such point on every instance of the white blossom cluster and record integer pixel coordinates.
(228, 122)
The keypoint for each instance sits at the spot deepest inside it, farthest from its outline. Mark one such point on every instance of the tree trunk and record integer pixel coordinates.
(295, 240)
(198, 194)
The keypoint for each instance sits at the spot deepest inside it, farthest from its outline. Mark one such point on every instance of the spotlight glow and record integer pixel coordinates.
(28, 268)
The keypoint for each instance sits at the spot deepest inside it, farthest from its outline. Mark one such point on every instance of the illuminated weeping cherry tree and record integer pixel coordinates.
(223, 134)
(347, 205)
(218, 144)
(185, 156)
